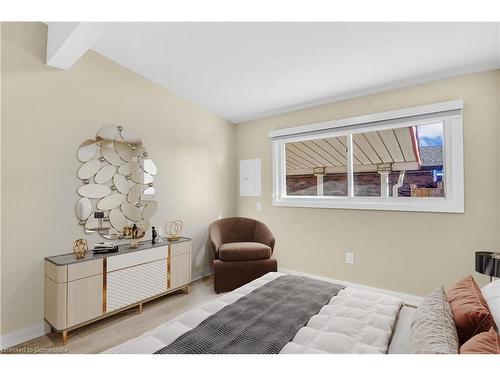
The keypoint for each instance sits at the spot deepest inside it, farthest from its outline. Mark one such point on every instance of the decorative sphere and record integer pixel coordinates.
(80, 248)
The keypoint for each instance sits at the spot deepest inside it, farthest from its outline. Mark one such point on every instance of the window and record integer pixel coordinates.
(410, 160)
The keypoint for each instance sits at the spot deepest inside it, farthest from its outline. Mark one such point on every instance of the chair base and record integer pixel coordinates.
(233, 274)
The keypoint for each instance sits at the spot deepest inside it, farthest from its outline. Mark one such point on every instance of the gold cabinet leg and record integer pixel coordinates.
(64, 337)
(187, 289)
(140, 308)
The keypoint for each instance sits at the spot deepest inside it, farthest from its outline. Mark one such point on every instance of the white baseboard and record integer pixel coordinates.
(407, 299)
(23, 335)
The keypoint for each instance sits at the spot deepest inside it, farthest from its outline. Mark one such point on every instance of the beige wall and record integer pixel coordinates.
(403, 251)
(47, 113)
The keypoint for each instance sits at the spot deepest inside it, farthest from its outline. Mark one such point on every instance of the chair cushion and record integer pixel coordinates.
(244, 251)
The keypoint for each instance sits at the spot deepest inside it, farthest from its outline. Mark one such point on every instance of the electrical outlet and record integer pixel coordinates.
(258, 206)
(349, 257)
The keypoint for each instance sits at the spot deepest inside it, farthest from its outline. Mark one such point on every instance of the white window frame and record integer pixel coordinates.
(450, 113)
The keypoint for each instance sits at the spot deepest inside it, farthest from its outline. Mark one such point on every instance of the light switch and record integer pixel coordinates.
(349, 258)
(258, 206)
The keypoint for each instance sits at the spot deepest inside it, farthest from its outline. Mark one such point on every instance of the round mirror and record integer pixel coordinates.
(107, 133)
(110, 155)
(94, 191)
(117, 219)
(87, 150)
(134, 194)
(110, 202)
(117, 179)
(148, 166)
(131, 138)
(105, 174)
(131, 211)
(121, 183)
(149, 210)
(83, 208)
(89, 169)
(123, 149)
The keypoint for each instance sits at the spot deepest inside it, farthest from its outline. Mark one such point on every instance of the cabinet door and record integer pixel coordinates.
(134, 284)
(181, 270)
(84, 299)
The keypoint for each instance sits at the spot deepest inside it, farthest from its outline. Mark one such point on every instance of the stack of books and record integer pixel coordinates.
(104, 248)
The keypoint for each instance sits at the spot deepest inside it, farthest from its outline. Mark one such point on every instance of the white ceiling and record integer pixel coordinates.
(244, 71)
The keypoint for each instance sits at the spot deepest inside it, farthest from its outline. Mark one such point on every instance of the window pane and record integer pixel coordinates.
(317, 167)
(404, 162)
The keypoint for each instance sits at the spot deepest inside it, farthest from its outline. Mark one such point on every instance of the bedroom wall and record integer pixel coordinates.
(408, 252)
(47, 113)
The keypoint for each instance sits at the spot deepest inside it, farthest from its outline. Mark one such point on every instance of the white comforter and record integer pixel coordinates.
(354, 321)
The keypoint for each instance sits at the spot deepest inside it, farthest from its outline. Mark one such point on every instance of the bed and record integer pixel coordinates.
(353, 320)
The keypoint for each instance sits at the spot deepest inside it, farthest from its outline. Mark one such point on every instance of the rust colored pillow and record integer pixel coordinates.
(484, 343)
(470, 310)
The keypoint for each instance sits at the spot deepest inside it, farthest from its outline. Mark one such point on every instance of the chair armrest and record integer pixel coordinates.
(264, 235)
(215, 239)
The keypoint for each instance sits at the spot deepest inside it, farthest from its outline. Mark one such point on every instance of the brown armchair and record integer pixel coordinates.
(242, 251)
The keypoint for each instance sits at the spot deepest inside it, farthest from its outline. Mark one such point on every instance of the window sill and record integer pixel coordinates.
(374, 203)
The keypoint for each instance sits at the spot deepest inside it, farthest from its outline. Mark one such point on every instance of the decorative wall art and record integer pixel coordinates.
(117, 177)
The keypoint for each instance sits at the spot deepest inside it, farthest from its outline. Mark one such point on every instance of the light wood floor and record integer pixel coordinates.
(114, 330)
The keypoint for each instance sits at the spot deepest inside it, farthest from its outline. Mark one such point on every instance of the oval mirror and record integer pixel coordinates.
(123, 149)
(83, 208)
(110, 202)
(131, 138)
(149, 210)
(127, 168)
(141, 177)
(110, 234)
(121, 183)
(117, 219)
(87, 150)
(148, 166)
(94, 191)
(143, 224)
(89, 169)
(109, 153)
(148, 194)
(105, 174)
(139, 151)
(91, 224)
(107, 133)
(134, 194)
(131, 211)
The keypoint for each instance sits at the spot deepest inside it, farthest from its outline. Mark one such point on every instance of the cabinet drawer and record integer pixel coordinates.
(133, 259)
(84, 269)
(181, 248)
(56, 273)
(134, 284)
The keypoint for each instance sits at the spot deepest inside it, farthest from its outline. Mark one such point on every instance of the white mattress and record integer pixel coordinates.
(354, 321)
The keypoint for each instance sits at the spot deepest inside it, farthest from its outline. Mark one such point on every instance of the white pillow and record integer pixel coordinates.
(491, 293)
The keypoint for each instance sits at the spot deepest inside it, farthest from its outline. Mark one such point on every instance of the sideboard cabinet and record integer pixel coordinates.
(80, 291)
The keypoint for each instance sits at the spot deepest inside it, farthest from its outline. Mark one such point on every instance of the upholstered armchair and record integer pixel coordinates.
(242, 251)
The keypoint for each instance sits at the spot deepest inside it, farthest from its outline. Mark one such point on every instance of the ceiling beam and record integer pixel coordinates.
(68, 41)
